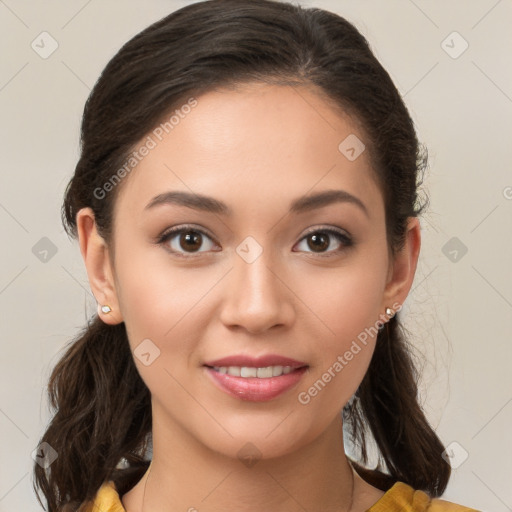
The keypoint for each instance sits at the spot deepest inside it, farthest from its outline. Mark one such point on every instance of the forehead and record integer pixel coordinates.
(252, 146)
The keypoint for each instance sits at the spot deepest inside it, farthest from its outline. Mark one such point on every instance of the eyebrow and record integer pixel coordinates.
(209, 204)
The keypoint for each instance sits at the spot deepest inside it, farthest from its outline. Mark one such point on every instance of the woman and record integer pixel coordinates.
(246, 204)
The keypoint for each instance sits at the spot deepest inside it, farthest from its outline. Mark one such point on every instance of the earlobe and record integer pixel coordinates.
(403, 268)
(95, 254)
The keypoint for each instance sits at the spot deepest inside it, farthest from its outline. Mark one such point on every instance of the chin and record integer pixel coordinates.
(260, 440)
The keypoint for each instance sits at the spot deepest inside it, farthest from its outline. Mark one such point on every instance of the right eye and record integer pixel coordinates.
(188, 242)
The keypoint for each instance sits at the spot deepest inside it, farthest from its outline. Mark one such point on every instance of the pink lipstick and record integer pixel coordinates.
(256, 379)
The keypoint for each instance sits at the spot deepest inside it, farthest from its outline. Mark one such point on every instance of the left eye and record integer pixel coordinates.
(321, 239)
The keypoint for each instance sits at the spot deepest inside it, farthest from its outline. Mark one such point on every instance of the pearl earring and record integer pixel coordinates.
(391, 314)
(106, 309)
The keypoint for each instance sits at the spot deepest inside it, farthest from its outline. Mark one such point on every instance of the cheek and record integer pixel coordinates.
(346, 303)
(164, 302)
(345, 300)
(154, 293)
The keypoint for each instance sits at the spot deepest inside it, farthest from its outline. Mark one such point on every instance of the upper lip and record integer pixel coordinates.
(256, 362)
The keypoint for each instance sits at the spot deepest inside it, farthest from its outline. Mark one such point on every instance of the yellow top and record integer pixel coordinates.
(399, 498)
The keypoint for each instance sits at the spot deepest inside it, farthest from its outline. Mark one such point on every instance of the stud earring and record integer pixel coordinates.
(106, 309)
(391, 314)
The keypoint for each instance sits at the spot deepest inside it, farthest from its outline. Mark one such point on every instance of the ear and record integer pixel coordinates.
(403, 268)
(95, 254)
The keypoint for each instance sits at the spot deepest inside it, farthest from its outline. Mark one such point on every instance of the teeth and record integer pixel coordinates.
(264, 373)
(248, 371)
(277, 370)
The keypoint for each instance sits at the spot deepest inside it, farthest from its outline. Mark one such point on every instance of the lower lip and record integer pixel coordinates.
(253, 388)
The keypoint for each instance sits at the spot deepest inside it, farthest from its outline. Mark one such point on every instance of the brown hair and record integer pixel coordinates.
(103, 410)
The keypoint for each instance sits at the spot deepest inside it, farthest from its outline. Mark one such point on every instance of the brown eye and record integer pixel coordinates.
(320, 240)
(186, 240)
(190, 240)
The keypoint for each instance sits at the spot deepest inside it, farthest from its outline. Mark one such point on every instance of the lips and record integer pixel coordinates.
(276, 374)
(256, 362)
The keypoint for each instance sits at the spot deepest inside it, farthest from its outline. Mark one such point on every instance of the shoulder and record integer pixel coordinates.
(438, 505)
(401, 497)
(107, 500)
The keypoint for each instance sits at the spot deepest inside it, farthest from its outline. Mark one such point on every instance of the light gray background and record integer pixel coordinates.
(460, 306)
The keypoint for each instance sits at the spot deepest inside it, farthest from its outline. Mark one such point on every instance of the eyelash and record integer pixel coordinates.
(170, 233)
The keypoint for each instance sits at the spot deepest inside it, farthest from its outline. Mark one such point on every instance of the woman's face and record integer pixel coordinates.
(250, 276)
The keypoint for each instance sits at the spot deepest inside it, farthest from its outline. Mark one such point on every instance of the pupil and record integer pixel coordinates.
(322, 238)
(194, 237)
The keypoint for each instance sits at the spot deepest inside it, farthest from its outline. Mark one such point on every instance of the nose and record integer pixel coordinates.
(256, 296)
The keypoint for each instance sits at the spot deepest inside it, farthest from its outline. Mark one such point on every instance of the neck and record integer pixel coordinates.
(184, 475)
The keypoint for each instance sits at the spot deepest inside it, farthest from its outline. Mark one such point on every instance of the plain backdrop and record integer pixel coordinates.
(451, 62)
